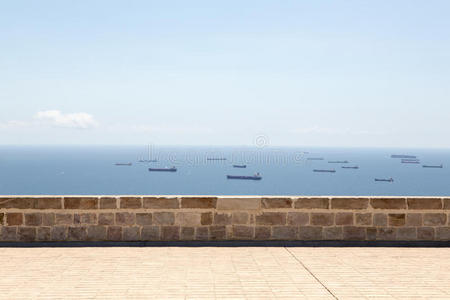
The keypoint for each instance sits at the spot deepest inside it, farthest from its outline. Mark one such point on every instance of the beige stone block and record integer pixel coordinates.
(349, 203)
(163, 218)
(363, 219)
(310, 233)
(284, 232)
(424, 203)
(434, 219)
(312, 203)
(397, 219)
(269, 203)
(188, 219)
(238, 203)
(150, 233)
(297, 218)
(161, 203)
(271, 218)
(240, 218)
(344, 218)
(322, 219)
(354, 233)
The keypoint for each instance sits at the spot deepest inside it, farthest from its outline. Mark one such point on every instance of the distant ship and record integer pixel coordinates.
(254, 177)
(350, 167)
(123, 164)
(240, 166)
(410, 161)
(172, 169)
(385, 180)
(433, 166)
(402, 156)
(216, 158)
(338, 162)
(315, 158)
(325, 171)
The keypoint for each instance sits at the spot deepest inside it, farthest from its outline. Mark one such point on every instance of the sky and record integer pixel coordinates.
(349, 73)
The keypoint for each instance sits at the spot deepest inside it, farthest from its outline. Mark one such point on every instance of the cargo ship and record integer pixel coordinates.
(384, 180)
(433, 166)
(254, 177)
(324, 171)
(402, 156)
(350, 167)
(216, 158)
(123, 164)
(338, 162)
(172, 169)
(410, 161)
(240, 166)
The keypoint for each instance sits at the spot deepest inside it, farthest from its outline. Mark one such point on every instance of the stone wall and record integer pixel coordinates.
(172, 218)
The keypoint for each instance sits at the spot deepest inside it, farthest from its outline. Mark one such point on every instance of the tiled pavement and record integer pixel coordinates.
(225, 273)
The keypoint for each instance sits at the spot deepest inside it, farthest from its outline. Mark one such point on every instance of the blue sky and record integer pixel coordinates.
(298, 73)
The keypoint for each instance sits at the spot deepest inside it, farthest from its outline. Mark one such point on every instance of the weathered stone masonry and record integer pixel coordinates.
(172, 218)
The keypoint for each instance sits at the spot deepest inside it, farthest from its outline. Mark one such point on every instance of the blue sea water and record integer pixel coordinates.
(91, 170)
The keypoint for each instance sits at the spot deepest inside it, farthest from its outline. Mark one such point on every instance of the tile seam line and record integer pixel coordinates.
(309, 271)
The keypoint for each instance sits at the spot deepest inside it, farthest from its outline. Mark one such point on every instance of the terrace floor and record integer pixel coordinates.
(225, 273)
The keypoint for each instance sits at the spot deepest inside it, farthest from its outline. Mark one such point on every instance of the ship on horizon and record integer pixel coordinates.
(240, 166)
(216, 158)
(433, 166)
(402, 156)
(123, 164)
(257, 176)
(171, 169)
(350, 167)
(384, 179)
(324, 171)
(338, 162)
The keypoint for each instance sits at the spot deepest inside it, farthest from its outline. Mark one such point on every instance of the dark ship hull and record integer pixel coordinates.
(244, 177)
(162, 169)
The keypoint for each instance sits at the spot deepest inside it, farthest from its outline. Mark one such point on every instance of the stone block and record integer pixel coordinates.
(425, 233)
(322, 219)
(106, 219)
(187, 233)
(170, 233)
(240, 218)
(125, 218)
(332, 233)
(80, 202)
(297, 218)
(388, 203)
(9, 234)
(312, 203)
(217, 233)
(198, 202)
(143, 218)
(243, 203)
(96, 233)
(150, 233)
(161, 203)
(271, 218)
(114, 233)
(48, 219)
(26, 234)
(131, 233)
(2, 217)
(58, 233)
(63, 219)
(262, 232)
(13, 219)
(406, 234)
(434, 219)
(49, 203)
(43, 234)
(310, 233)
(77, 233)
(344, 218)
(446, 203)
(413, 219)
(202, 233)
(443, 233)
(222, 218)
(21, 202)
(269, 203)
(349, 203)
(188, 219)
(131, 202)
(243, 232)
(206, 218)
(386, 234)
(284, 232)
(85, 218)
(397, 219)
(371, 233)
(424, 203)
(163, 218)
(33, 219)
(108, 203)
(353, 233)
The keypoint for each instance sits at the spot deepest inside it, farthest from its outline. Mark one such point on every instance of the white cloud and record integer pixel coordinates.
(56, 118)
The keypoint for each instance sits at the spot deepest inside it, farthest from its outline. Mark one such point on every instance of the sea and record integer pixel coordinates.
(92, 170)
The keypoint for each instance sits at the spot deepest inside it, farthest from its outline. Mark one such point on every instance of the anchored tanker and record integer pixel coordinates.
(254, 177)
(240, 166)
(402, 156)
(172, 169)
(123, 164)
(324, 171)
(338, 162)
(350, 167)
(385, 180)
(432, 166)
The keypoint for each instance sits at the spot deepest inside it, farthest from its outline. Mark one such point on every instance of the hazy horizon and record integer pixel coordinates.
(282, 74)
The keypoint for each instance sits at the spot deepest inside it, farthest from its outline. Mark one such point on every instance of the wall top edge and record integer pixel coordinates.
(220, 196)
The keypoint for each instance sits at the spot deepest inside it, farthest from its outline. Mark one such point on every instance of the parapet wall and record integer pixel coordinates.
(172, 218)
